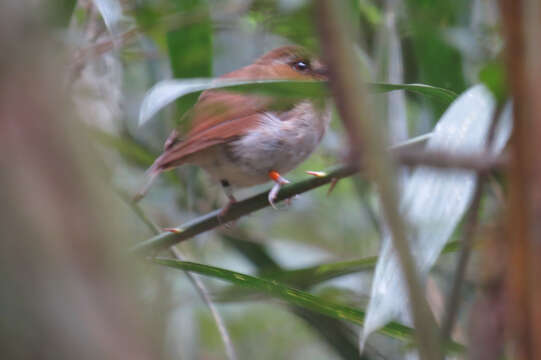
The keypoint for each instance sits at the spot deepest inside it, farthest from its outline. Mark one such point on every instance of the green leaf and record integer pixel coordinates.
(337, 334)
(313, 275)
(190, 48)
(435, 60)
(60, 11)
(307, 277)
(295, 297)
(129, 150)
(370, 12)
(493, 76)
(164, 92)
(441, 94)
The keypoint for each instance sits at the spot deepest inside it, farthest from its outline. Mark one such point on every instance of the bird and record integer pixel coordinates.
(242, 140)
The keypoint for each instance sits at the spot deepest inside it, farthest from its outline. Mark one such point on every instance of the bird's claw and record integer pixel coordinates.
(273, 193)
(278, 182)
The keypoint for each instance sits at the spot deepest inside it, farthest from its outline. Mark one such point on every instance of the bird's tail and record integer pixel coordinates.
(151, 175)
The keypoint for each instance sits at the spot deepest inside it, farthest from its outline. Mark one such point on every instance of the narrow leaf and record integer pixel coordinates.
(295, 297)
(432, 91)
(190, 46)
(313, 275)
(167, 91)
(434, 201)
(111, 12)
(307, 277)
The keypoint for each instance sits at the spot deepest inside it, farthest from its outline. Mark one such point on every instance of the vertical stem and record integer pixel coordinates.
(472, 219)
(351, 100)
(522, 25)
(470, 225)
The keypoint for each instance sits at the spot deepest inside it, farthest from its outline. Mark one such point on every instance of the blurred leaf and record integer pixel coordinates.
(111, 12)
(60, 12)
(150, 15)
(308, 277)
(256, 253)
(295, 24)
(125, 147)
(370, 12)
(166, 91)
(313, 275)
(434, 201)
(441, 94)
(437, 62)
(493, 76)
(334, 332)
(130, 150)
(294, 297)
(288, 294)
(190, 47)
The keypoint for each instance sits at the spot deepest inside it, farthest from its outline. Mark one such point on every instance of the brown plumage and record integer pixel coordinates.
(220, 120)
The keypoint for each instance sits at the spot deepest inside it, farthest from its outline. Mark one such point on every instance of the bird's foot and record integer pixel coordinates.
(279, 181)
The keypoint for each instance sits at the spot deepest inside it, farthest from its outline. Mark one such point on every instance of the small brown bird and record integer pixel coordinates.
(243, 140)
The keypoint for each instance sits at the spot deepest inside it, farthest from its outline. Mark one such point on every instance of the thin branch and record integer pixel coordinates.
(81, 56)
(236, 211)
(196, 282)
(471, 223)
(366, 137)
(470, 226)
(481, 163)
(257, 202)
(170, 22)
(203, 292)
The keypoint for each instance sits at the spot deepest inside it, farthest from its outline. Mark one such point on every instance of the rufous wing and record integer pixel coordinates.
(220, 133)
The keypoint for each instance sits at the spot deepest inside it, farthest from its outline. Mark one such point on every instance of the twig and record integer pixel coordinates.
(81, 56)
(481, 163)
(203, 292)
(471, 222)
(170, 22)
(212, 220)
(236, 211)
(355, 110)
(522, 26)
(470, 225)
(196, 282)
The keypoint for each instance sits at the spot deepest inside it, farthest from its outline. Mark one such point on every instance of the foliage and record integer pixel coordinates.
(317, 254)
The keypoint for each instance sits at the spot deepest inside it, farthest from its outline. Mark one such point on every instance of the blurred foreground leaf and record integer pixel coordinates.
(190, 47)
(433, 201)
(113, 17)
(296, 297)
(60, 12)
(437, 61)
(167, 91)
(307, 277)
(493, 76)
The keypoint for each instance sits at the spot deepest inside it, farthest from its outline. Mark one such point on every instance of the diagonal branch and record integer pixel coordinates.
(480, 163)
(236, 211)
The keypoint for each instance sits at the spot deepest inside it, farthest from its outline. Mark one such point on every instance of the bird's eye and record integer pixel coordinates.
(301, 66)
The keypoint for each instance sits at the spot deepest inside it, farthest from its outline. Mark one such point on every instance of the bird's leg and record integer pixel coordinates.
(229, 193)
(278, 182)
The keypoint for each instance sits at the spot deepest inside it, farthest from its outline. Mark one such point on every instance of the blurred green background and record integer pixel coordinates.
(450, 44)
